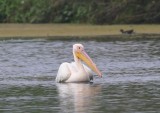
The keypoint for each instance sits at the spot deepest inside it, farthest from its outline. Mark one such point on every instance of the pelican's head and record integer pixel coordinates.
(80, 53)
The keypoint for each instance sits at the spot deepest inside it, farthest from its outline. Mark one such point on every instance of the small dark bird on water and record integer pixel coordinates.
(131, 31)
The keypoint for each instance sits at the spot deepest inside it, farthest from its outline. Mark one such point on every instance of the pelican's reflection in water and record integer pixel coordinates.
(76, 97)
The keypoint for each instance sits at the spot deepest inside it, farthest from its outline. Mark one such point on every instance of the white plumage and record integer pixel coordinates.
(76, 71)
(68, 72)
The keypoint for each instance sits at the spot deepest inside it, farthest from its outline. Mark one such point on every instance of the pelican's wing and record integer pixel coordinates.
(63, 73)
(89, 71)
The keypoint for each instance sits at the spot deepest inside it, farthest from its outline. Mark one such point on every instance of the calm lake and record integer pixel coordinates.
(130, 83)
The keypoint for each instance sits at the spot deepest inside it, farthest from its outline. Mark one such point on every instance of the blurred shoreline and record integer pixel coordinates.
(78, 31)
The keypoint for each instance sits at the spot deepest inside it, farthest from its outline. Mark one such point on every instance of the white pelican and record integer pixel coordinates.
(76, 71)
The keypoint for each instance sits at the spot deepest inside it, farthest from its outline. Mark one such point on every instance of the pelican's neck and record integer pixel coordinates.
(78, 62)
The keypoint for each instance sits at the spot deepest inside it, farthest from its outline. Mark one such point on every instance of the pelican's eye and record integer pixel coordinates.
(79, 48)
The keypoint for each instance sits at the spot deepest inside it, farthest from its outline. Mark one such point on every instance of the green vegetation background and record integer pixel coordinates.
(80, 11)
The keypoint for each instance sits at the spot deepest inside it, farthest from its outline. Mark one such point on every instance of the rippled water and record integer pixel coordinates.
(130, 83)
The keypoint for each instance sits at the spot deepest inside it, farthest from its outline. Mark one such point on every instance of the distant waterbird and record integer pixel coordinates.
(77, 71)
(131, 31)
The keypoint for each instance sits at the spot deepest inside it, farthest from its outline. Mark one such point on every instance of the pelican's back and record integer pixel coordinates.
(63, 72)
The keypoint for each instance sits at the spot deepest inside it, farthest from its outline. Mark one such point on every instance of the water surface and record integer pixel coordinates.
(130, 83)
